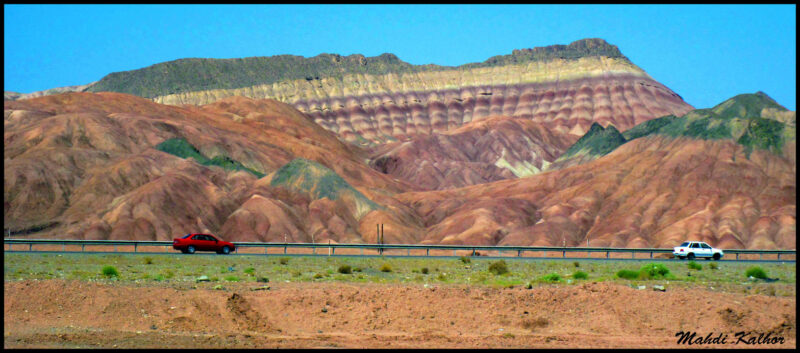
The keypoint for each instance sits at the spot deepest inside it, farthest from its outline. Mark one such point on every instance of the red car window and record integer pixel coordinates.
(198, 237)
(211, 237)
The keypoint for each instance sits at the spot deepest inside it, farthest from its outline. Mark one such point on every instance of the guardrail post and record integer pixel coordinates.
(83, 247)
(30, 247)
(779, 256)
(499, 252)
(427, 251)
(737, 256)
(362, 251)
(633, 254)
(761, 256)
(115, 247)
(473, 252)
(454, 252)
(63, 247)
(651, 254)
(607, 252)
(284, 250)
(135, 246)
(519, 253)
(408, 252)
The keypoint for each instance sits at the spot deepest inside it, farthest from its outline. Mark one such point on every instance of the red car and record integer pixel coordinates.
(190, 243)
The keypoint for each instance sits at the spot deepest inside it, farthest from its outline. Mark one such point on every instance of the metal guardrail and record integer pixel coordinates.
(383, 247)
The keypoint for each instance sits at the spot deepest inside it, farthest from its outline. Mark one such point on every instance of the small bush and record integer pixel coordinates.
(263, 280)
(756, 272)
(232, 279)
(465, 259)
(284, 260)
(357, 269)
(214, 279)
(110, 271)
(318, 276)
(345, 269)
(159, 278)
(148, 260)
(654, 270)
(580, 275)
(498, 268)
(424, 270)
(628, 274)
(552, 277)
(713, 266)
(169, 274)
(250, 270)
(386, 268)
(694, 265)
(576, 264)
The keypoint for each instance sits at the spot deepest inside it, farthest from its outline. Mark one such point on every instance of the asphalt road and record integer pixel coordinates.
(524, 258)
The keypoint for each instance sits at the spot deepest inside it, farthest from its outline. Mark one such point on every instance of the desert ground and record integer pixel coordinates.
(327, 310)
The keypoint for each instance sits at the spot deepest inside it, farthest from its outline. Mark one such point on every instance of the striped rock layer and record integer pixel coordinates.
(565, 95)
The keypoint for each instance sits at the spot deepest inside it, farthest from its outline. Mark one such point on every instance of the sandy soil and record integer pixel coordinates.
(67, 314)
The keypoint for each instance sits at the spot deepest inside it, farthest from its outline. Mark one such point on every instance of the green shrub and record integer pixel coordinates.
(552, 277)
(318, 275)
(159, 278)
(694, 265)
(284, 260)
(386, 268)
(653, 270)
(713, 266)
(756, 272)
(262, 280)
(580, 275)
(232, 279)
(357, 269)
(169, 274)
(465, 259)
(499, 267)
(250, 270)
(576, 264)
(628, 274)
(110, 271)
(424, 270)
(214, 279)
(345, 269)
(148, 260)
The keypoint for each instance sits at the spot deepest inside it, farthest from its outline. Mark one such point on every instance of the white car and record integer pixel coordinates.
(692, 249)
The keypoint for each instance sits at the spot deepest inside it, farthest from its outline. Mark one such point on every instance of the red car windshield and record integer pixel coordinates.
(186, 236)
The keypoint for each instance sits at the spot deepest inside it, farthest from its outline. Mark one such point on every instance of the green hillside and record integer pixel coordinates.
(195, 74)
(598, 141)
(317, 181)
(182, 148)
(738, 118)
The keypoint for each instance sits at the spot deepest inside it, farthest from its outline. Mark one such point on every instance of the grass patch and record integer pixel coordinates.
(283, 260)
(232, 279)
(713, 266)
(465, 259)
(110, 271)
(628, 274)
(552, 277)
(653, 270)
(694, 266)
(580, 275)
(148, 260)
(250, 270)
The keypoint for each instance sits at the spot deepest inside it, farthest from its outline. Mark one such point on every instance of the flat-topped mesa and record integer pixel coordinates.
(382, 98)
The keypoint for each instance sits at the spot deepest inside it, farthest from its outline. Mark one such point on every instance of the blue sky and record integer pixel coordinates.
(705, 53)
